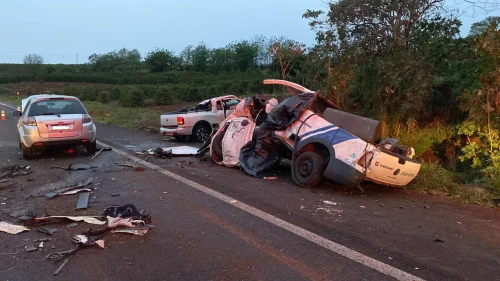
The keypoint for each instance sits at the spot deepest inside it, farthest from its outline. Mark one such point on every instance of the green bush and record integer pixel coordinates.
(103, 97)
(132, 98)
(163, 96)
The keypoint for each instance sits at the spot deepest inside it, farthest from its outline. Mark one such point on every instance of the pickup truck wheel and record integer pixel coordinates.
(308, 168)
(202, 132)
(27, 152)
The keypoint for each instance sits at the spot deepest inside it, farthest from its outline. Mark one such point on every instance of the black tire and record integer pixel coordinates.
(201, 132)
(28, 152)
(308, 168)
(91, 147)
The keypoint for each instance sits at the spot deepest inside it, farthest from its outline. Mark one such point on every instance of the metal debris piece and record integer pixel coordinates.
(100, 243)
(61, 267)
(60, 191)
(83, 201)
(47, 230)
(438, 240)
(75, 191)
(182, 150)
(15, 170)
(72, 225)
(128, 222)
(101, 150)
(12, 228)
(43, 240)
(139, 231)
(135, 167)
(30, 248)
(53, 219)
(75, 167)
(59, 255)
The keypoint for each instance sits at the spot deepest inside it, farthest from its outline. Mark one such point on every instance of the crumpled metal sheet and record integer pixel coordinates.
(52, 219)
(63, 190)
(12, 228)
(128, 222)
(139, 231)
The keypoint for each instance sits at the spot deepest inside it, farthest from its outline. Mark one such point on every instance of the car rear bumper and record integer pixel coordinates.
(179, 131)
(30, 136)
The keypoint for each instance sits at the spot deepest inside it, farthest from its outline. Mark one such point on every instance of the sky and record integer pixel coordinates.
(62, 30)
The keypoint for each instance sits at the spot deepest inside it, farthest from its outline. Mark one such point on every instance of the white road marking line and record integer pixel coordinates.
(7, 105)
(310, 236)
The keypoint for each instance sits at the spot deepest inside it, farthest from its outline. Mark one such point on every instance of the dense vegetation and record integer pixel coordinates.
(402, 62)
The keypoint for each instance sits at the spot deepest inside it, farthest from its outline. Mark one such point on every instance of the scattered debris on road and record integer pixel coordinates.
(139, 231)
(135, 167)
(101, 150)
(83, 240)
(15, 170)
(75, 167)
(54, 219)
(63, 190)
(47, 230)
(438, 240)
(12, 228)
(59, 255)
(72, 225)
(83, 201)
(30, 248)
(61, 267)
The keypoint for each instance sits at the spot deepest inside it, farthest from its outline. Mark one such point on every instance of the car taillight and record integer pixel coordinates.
(87, 118)
(366, 159)
(180, 121)
(29, 121)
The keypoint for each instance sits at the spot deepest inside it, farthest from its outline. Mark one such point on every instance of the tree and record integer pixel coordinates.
(200, 56)
(285, 51)
(33, 59)
(480, 27)
(160, 60)
(123, 60)
(245, 55)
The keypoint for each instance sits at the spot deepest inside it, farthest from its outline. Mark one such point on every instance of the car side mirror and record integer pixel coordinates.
(17, 113)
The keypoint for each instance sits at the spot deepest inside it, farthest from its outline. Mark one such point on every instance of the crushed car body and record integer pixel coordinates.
(320, 140)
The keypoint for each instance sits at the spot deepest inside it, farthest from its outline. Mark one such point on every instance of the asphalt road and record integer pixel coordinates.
(216, 223)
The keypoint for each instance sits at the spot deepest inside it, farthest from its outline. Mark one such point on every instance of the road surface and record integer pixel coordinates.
(216, 223)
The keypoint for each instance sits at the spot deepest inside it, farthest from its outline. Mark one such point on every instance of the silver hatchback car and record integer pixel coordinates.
(48, 120)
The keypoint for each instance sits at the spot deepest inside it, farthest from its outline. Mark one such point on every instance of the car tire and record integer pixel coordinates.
(201, 132)
(308, 168)
(91, 147)
(28, 152)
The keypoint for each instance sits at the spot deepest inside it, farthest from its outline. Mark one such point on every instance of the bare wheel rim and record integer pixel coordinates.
(202, 133)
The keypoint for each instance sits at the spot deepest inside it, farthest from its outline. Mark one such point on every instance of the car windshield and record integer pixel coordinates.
(56, 107)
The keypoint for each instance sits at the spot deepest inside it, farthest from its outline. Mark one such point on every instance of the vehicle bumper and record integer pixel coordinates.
(179, 131)
(30, 136)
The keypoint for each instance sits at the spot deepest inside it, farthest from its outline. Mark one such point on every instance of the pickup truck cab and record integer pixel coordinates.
(346, 148)
(198, 122)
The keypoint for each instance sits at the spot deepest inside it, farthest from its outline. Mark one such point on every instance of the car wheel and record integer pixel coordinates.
(308, 168)
(28, 152)
(91, 147)
(202, 132)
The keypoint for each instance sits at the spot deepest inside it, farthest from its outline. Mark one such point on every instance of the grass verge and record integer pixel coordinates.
(433, 177)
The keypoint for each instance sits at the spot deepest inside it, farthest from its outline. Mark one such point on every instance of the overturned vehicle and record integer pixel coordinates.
(321, 141)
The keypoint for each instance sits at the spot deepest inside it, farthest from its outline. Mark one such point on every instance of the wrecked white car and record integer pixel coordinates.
(321, 141)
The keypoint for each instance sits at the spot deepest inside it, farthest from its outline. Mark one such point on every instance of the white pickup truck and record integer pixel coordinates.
(199, 121)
